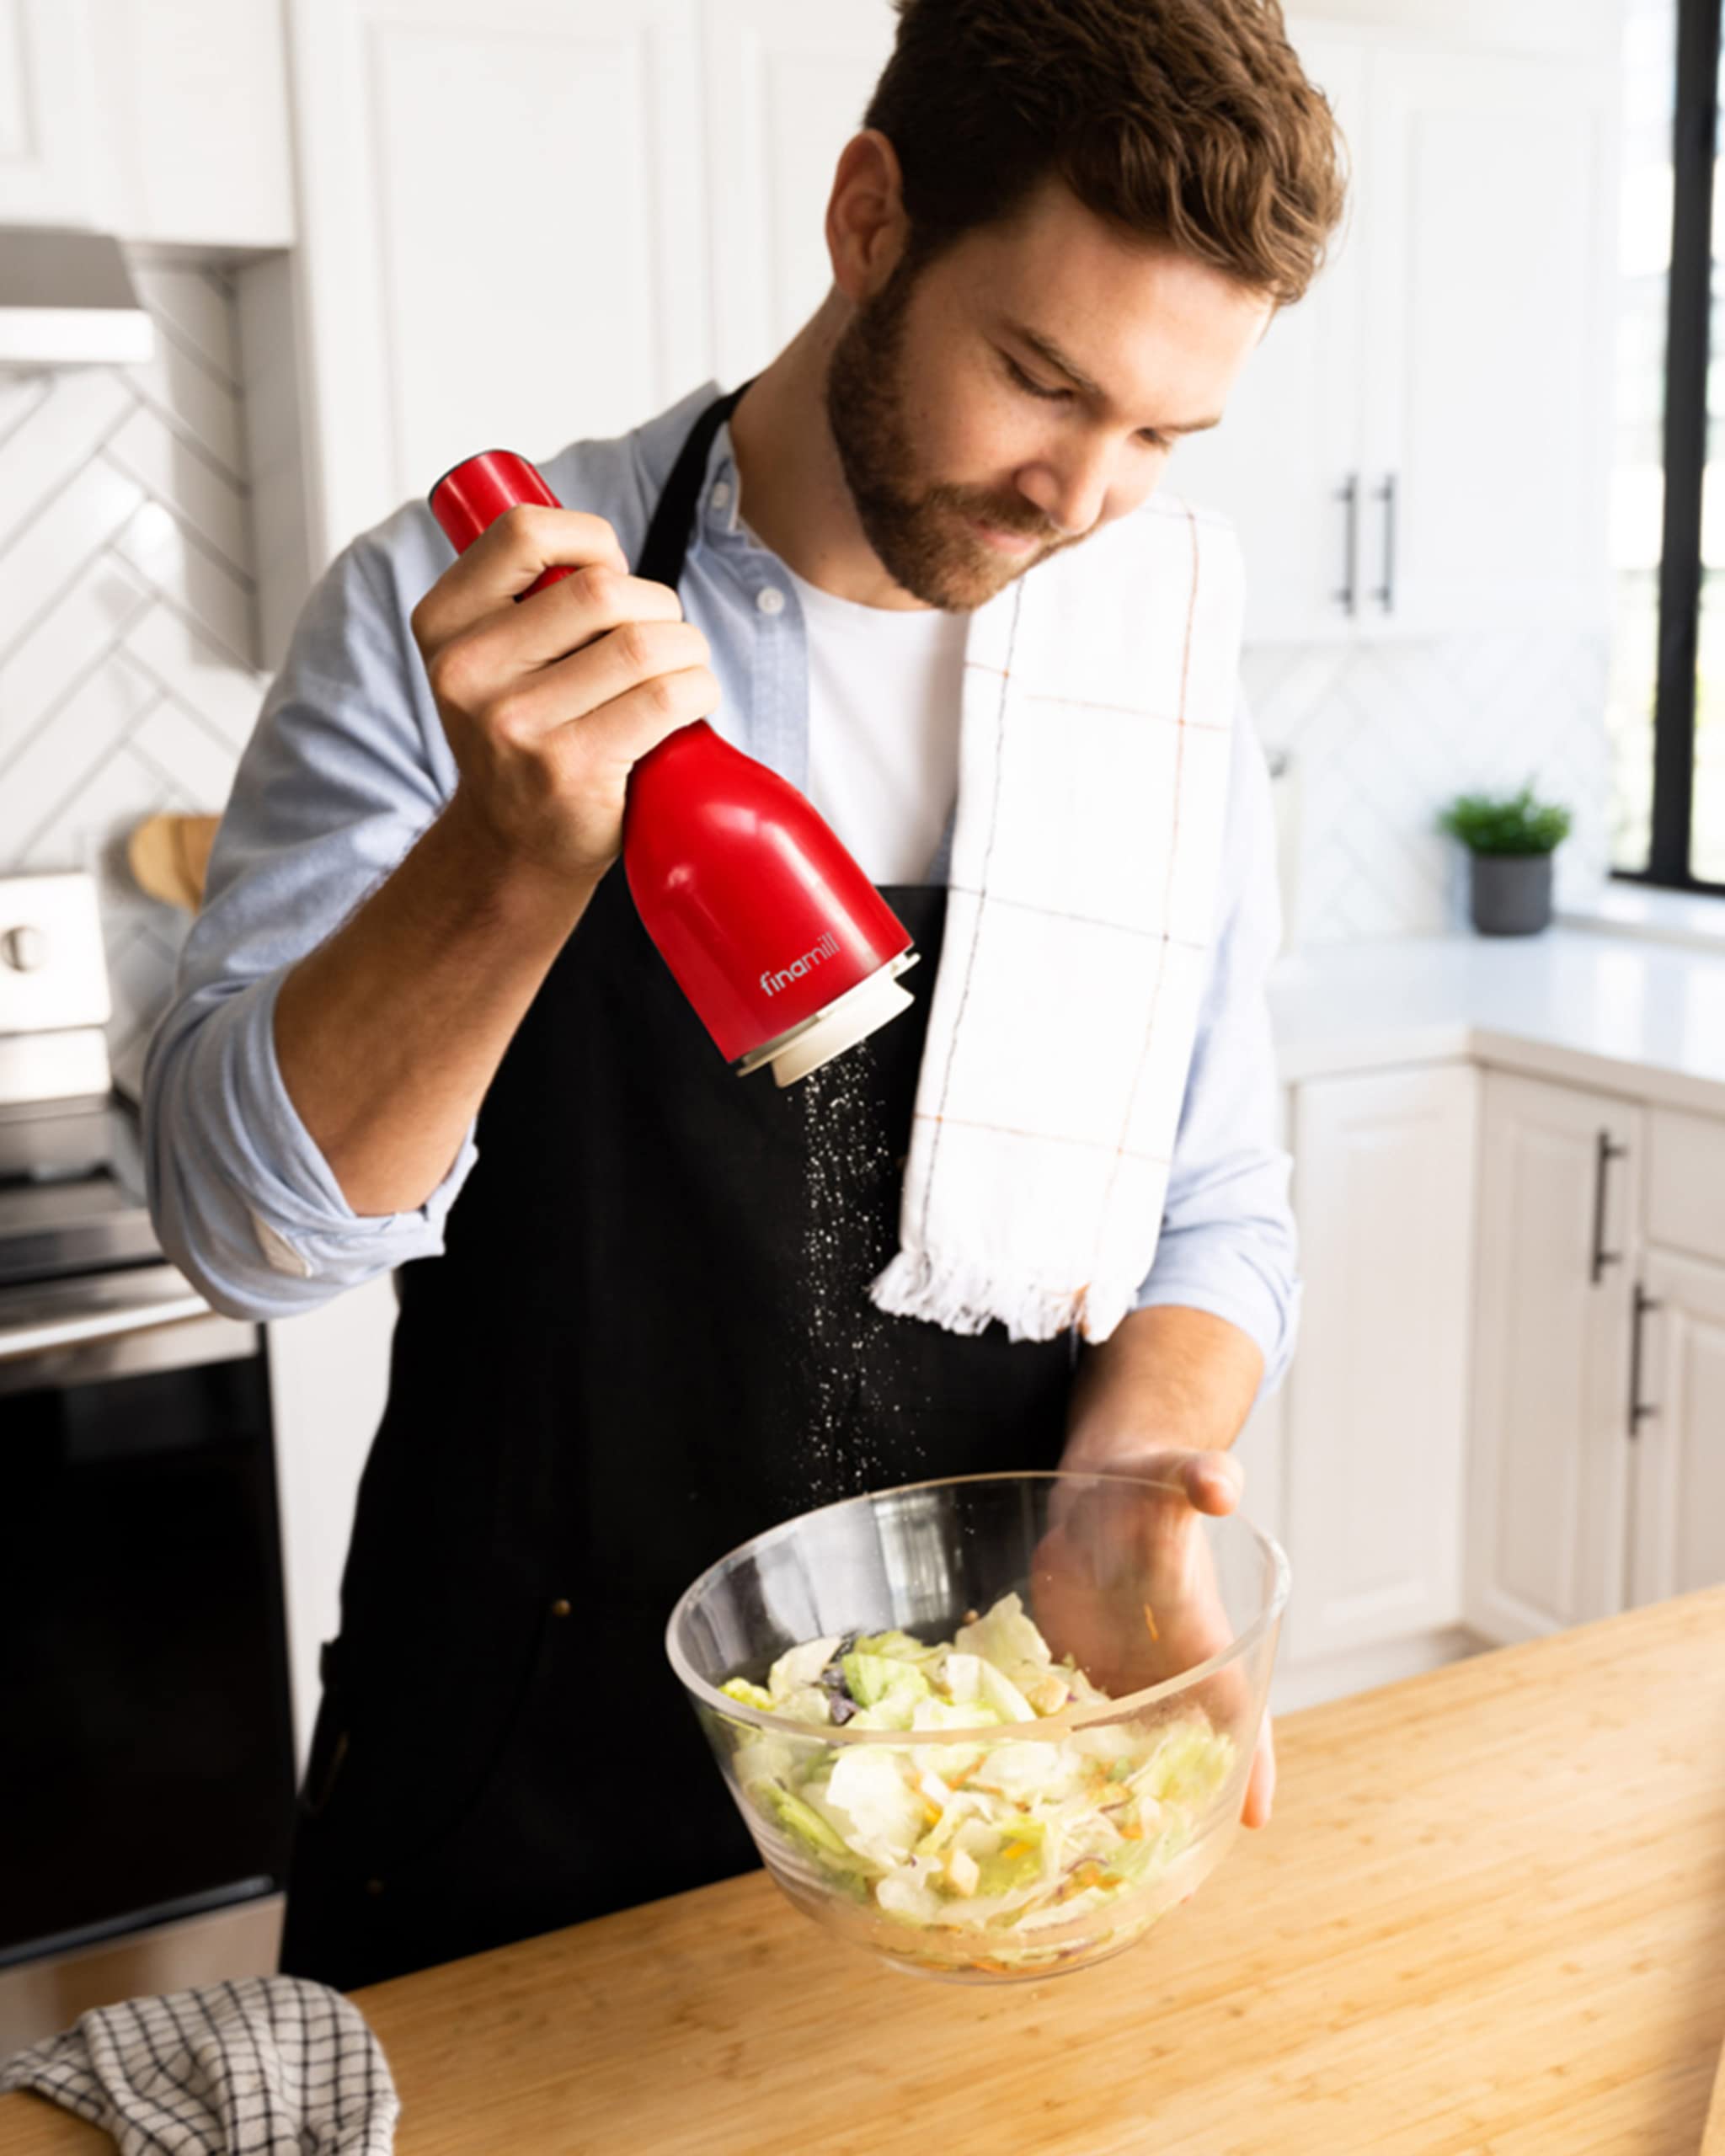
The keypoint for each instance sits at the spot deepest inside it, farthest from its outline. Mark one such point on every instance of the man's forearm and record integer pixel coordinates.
(388, 1034)
(1167, 1376)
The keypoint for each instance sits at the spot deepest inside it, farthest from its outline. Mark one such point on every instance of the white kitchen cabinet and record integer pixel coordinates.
(1598, 1463)
(193, 144)
(1261, 1449)
(1561, 26)
(1677, 1414)
(1677, 1384)
(47, 113)
(1487, 320)
(1262, 1446)
(162, 121)
(1377, 1405)
(1560, 1176)
(1287, 454)
(786, 87)
(504, 228)
(329, 1382)
(1400, 455)
(1686, 1184)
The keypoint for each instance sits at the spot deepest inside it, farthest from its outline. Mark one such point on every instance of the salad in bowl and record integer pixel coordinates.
(963, 1795)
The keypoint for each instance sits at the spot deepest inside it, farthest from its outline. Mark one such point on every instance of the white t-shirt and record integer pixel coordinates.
(883, 700)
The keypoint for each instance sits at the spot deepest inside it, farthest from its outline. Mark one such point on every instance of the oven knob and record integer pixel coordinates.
(24, 949)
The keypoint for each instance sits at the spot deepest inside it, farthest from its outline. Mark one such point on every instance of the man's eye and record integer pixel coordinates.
(1035, 388)
(1055, 396)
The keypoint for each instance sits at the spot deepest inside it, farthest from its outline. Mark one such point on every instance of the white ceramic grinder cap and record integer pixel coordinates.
(852, 1017)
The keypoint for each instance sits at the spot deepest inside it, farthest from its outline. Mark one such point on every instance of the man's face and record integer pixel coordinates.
(945, 409)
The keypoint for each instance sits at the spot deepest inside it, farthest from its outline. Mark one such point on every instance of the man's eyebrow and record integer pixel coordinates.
(1046, 349)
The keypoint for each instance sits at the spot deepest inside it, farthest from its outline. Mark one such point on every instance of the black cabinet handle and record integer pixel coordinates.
(1639, 1409)
(1386, 592)
(1604, 1156)
(1348, 493)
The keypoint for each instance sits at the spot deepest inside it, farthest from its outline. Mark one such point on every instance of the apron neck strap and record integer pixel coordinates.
(667, 545)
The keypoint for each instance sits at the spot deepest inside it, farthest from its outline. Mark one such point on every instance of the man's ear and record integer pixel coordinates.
(867, 229)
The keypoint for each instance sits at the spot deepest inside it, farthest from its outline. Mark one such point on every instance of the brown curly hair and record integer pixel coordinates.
(1186, 121)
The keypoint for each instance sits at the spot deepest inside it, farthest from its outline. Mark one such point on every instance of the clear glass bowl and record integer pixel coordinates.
(1132, 1801)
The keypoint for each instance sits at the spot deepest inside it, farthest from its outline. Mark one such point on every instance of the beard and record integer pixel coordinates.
(920, 531)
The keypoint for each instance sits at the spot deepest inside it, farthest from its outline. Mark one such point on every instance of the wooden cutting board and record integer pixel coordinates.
(1487, 1919)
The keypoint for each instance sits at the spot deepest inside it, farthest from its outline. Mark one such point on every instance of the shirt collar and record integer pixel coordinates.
(721, 494)
(658, 442)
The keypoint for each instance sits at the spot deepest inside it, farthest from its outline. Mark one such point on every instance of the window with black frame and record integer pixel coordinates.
(1668, 677)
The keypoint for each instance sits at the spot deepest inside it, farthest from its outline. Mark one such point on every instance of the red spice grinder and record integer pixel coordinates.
(787, 951)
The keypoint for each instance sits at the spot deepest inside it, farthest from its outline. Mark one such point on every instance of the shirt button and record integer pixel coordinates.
(721, 495)
(770, 601)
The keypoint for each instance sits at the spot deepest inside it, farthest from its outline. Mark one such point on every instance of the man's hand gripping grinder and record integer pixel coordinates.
(785, 948)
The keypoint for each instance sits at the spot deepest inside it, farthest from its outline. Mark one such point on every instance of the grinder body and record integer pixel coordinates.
(787, 953)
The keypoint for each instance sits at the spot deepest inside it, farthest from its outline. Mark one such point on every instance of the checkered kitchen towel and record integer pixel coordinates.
(1099, 701)
(269, 2067)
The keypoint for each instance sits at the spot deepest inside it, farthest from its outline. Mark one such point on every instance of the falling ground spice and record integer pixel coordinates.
(852, 1191)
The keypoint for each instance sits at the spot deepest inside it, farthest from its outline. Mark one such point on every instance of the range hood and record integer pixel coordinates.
(66, 300)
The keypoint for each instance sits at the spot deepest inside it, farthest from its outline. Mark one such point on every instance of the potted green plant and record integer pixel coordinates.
(1510, 839)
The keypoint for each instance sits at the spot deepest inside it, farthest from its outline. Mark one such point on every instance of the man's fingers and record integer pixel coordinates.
(1211, 1481)
(506, 559)
(567, 615)
(1214, 1481)
(622, 731)
(577, 689)
(1261, 1782)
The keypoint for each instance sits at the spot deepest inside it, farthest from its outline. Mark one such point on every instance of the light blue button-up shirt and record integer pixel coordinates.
(347, 765)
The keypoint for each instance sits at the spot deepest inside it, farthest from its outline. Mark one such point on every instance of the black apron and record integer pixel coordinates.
(647, 1339)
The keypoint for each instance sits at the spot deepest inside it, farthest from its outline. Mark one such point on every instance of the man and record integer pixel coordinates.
(637, 1339)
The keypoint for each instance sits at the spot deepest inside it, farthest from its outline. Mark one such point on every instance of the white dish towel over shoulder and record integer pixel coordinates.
(268, 2066)
(1099, 701)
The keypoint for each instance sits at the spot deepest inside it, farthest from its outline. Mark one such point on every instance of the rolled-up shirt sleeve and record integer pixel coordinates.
(1228, 1244)
(346, 768)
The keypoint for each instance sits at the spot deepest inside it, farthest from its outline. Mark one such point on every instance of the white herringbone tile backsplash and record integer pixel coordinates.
(1378, 736)
(128, 681)
(127, 606)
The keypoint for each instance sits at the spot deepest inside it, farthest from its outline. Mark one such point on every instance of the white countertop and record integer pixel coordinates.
(1600, 1010)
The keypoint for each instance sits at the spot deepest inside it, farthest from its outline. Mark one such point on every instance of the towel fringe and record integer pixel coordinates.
(961, 1299)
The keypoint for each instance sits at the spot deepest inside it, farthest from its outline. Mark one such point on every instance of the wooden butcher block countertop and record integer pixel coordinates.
(1488, 1916)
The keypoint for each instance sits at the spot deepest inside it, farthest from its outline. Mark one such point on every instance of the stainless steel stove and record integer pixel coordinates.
(146, 1746)
(80, 1267)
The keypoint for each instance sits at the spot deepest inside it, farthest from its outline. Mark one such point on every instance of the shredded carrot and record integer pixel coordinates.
(930, 1810)
(1149, 1620)
(1016, 1849)
(1132, 1831)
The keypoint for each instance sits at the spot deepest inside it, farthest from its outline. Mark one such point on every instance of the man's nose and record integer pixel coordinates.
(1072, 492)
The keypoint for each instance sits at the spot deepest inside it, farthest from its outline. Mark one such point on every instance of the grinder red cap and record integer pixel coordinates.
(472, 496)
